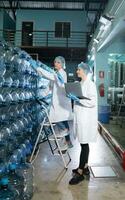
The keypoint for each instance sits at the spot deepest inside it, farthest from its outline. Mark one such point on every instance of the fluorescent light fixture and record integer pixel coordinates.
(93, 49)
(101, 29)
(106, 19)
(103, 20)
(111, 54)
(94, 78)
(95, 40)
(70, 74)
(107, 25)
(93, 57)
(88, 56)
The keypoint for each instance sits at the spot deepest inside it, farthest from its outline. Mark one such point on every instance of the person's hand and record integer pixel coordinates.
(39, 63)
(46, 99)
(60, 78)
(23, 55)
(45, 67)
(73, 97)
(33, 63)
(49, 96)
(48, 69)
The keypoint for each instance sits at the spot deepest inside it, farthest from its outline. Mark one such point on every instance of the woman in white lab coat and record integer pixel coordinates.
(85, 121)
(60, 110)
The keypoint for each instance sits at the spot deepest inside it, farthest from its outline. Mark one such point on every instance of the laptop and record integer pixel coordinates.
(75, 89)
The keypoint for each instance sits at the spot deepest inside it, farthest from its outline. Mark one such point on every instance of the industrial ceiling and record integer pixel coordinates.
(88, 5)
(93, 8)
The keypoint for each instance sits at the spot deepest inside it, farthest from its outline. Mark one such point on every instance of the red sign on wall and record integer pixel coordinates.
(101, 74)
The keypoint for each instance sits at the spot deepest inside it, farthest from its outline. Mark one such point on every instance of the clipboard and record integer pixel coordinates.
(75, 89)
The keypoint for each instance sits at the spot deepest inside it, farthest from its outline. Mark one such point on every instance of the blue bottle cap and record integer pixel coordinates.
(12, 166)
(2, 169)
(22, 55)
(4, 181)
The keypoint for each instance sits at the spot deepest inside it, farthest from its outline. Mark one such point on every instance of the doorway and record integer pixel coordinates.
(27, 33)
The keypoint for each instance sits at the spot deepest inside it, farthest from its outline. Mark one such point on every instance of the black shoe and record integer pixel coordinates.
(77, 178)
(85, 171)
(75, 171)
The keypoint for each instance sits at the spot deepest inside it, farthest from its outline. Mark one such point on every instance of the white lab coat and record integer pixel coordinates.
(60, 109)
(85, 114)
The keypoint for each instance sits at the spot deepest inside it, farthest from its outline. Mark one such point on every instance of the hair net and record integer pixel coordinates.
(61, 60)
(85, 67)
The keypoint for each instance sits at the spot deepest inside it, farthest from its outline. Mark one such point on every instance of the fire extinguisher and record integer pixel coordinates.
(101, 90)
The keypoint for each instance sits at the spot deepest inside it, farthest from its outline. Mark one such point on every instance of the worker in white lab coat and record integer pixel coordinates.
(60, 110)
(85, 121)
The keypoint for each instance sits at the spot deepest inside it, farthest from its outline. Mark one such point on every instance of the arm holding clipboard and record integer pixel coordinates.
(92, 94)
(74, 91)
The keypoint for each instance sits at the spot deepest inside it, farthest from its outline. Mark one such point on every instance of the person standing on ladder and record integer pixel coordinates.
(61, 109)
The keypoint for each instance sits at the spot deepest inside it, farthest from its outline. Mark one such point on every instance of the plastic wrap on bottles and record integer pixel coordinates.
(21, 113)
(16, 181)
(26, 171)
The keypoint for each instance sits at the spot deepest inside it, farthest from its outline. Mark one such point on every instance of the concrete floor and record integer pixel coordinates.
(51, 181)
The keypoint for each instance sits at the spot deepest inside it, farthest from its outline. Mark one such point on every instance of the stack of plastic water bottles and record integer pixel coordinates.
(20, 116)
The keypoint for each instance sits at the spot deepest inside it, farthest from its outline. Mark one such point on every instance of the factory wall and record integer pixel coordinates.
(101, 61)
(44, 20)
(111, 40)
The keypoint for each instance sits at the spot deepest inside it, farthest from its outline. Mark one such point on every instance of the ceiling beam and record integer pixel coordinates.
(87, 6)
(73, 1)
(12, 8)
(33, 8)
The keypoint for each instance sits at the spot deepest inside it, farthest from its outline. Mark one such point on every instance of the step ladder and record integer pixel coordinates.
(57, 150)
(120, 107)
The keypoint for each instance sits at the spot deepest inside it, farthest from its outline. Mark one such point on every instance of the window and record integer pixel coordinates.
(62, 29)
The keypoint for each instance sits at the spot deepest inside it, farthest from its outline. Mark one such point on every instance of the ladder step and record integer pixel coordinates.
(59, 136)
(63, 149)
(56, 137)
(48, 124)
(58, 152)
(52, 138)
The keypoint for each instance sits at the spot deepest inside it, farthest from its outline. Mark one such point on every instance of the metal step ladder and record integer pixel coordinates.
(57, 150)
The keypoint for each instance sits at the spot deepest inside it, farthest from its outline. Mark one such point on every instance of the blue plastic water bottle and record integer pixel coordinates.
(6, 192)
(26, 171)
(15, 180)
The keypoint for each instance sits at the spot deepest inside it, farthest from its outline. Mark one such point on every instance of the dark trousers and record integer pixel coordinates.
(84, 155)
(64, 125)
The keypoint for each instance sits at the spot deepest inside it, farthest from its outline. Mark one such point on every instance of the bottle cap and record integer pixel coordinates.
(2, 169)
(12, 166)
(4, 181)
